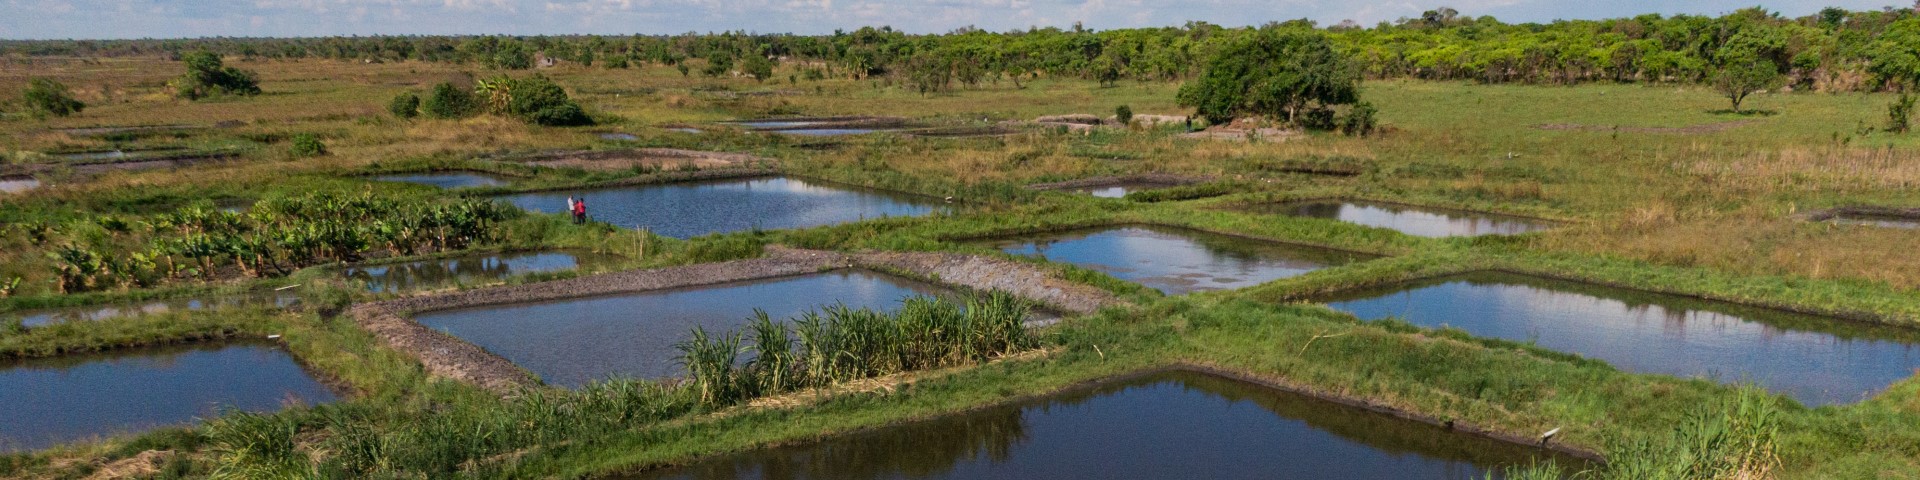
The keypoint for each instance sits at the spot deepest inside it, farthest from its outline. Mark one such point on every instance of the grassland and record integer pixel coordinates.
(1659, 191)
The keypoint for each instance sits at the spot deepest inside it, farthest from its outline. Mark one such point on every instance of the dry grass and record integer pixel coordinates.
(1811, 170)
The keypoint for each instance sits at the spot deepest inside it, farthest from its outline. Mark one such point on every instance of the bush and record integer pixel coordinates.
(48, 97)
(1360, 121)
(307, 145)
(1124, 114)
(207, 76)
(404, 106)
(1294, 76)
(1900, 114)
(537, 100)
(449, 101)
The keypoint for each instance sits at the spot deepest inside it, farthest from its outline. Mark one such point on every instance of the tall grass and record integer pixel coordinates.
(839, 343)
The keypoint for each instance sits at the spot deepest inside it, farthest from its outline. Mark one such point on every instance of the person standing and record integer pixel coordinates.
(570, 207)
(580, 211)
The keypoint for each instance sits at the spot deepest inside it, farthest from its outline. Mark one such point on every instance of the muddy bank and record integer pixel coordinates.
(449, 357)
(1155, 179)
(656, 158)
(1911, 215)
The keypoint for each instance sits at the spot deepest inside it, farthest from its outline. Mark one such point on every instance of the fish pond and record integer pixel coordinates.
(17, 184)
(1169, 425)
(684, 210)
(1411, 220)
(573, 342)
(469, 269)
(1176, 260)
(1118, 190)
(1816, 360)
(48, 316)
(49, 401)
(448, 180)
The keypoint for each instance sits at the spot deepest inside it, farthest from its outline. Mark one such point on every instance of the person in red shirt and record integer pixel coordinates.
(580, 211)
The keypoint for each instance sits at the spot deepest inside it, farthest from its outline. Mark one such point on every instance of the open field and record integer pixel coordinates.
(1651, 188)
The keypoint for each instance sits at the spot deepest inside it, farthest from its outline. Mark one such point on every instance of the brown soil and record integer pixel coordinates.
(449, 357)
(1160, 179)
(1239, 131)
(662, 158)
(1690, 130)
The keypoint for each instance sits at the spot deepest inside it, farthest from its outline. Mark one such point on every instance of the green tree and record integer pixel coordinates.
(1286, 75)
(538, 100)
(404, 106)
(208, 76)
(449, 101)
(1740, 74)
(1900, 114)
(47, 97)
(758, 67)
(1124, 114)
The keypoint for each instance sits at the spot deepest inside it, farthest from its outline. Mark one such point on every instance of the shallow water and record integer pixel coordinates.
(468, 269)
(18, 184)
(87, 156)
(53, 400)
(766, 124)
(619, 136)
(573, 342)
(695, 131)
(683, 210)
(1118, 190)
(1174, 425)
(89, 313)
(1411, 220)
(1176, 260)
(825, 132)
(1882, 221)
(447, 179)
(1816, 360)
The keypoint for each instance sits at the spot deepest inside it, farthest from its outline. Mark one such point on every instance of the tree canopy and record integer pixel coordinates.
(1286, 76)
(47, 97)
(208, 76)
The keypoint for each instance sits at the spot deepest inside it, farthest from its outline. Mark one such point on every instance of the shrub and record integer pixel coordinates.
(1360, 121)
(404, 106)
(48, 97)
(536, 99)
(207, 76)
(1291, 76)
(449, 101)
(1124, 114)
(307, 145)
(1900, 114)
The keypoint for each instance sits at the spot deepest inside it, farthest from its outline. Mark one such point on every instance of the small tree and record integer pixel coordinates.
(1290, 75)
(48, 97)
(307, 145)
(404, 106)
(207, 76)
(1124, 114)
(1900, 114)
(1745, 64)
(449, 101)
(757, 66)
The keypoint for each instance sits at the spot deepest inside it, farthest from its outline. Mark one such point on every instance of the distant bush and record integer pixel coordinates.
(48, 97)
(1360, 120)
(535, 99)
(207, 76)
(1900, 114)
(1124, 114)
(404, 106)
(307, 145)
(449, 101)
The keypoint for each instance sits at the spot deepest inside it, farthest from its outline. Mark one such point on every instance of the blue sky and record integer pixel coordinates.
(39, 19)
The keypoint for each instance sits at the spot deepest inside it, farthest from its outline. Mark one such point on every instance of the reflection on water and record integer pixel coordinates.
(683, 210)
(572, 342)
(469, 269)
(18, 184)
(1174, 425)
(1175, 260)
(62, 399)
(1417, 221)
(89, 313)
(447, 179)
(1816, 360)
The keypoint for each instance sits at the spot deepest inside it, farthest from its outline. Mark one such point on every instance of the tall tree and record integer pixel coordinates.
(1281, 75)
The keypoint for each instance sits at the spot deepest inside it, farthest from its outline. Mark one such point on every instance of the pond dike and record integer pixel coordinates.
(448, 357)
(1161, 179)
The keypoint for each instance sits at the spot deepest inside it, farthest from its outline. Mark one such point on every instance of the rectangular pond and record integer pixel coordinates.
(17, 184)
(573, 342)
(1411, 220)
(685, 210)
(1171, 425)
(468, 269)
(1118, 190)
(1176, 260)
(448, 180)
(1817, 360)
(89, 313)
(50, 401)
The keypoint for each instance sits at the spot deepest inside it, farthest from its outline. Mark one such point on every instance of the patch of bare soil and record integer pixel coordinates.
(1688, 130)
(1154, 179)
(655, 158)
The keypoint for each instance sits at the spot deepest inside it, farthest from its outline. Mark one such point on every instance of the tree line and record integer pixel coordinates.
(1835, 50)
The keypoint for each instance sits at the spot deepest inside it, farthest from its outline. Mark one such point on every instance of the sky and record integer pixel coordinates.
(110, 19)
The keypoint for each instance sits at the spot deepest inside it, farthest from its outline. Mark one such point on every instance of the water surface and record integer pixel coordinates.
(63, 399)
(18, 184)
(619, 136)
(1882, 221)
(1816, 360)
(468, 269)
(1177, 260)
(573, 342)
(824, 132)
(1411, 220)
(89, 313)
(684, 210)
(1118, 190)
(1175, 425)
(447, 179)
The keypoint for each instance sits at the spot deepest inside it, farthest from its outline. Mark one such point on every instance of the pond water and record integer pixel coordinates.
(447, 179)
(50, 401)
(1817, 360)
(619, 136)
(1171, 425)
(691, 130)
(18, 184)
(771, 124)
(573, 342)
(89, 313)
(825, 132)
(1118, 190)
(1411, 220)
(468, 269)
(87, 156)
(684, 210)
(1176, 260)
(1882, 221)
